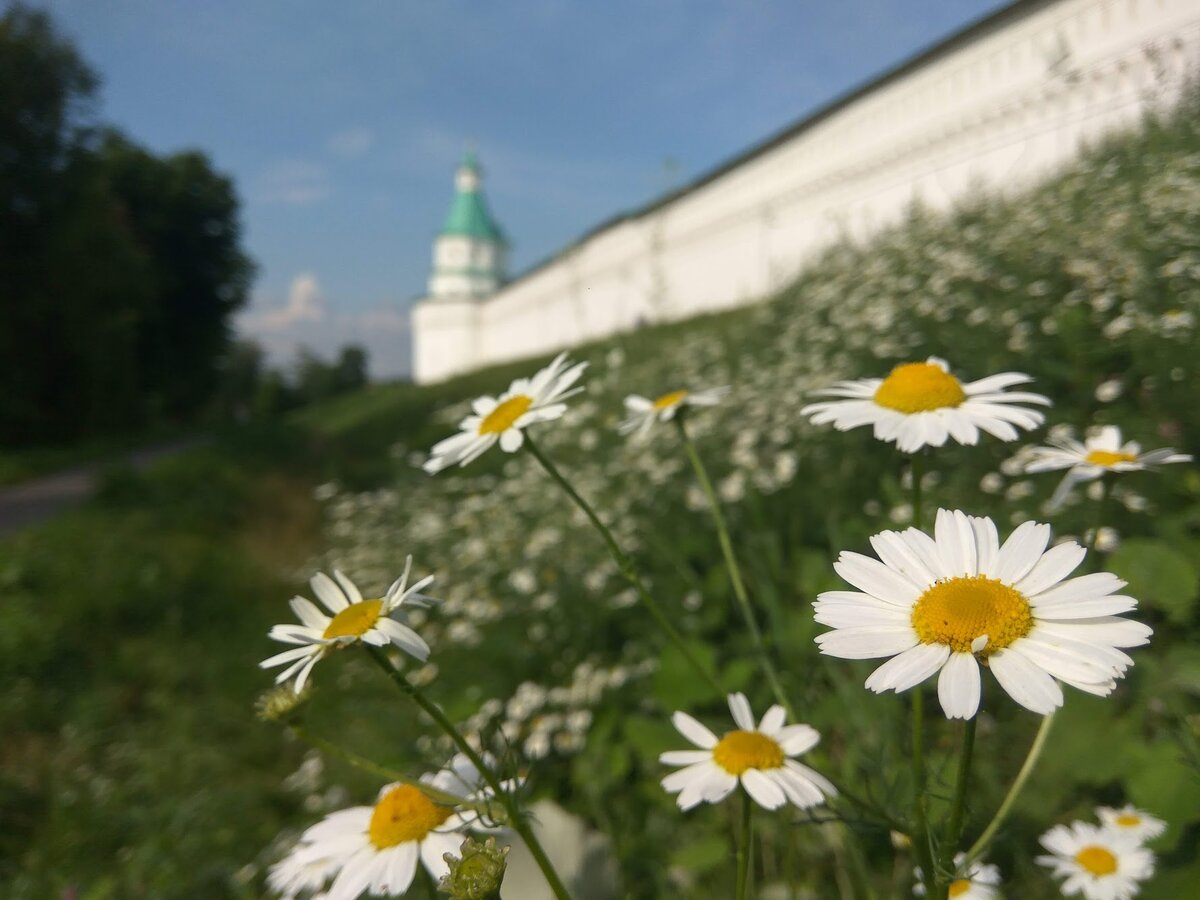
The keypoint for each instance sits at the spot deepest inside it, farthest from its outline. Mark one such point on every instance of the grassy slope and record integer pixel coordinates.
(129, 629)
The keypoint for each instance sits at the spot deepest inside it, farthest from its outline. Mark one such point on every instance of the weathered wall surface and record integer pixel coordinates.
(997, 107)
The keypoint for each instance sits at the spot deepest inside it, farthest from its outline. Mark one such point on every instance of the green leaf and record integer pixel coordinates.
(1159, 575)
(677, 684)
(702, 854)
(1161, 783)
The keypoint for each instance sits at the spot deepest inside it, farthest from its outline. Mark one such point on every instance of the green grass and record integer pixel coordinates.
(132, 766)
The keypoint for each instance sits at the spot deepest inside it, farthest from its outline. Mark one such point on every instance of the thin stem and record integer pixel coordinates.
(367, 765)
(1098, 521)
(515, 818)
(431, 890)
(921, 839)
(1035, 750)
(916, 472)
(626, 567)
(954, 824)
(744, 846)
(735, 572)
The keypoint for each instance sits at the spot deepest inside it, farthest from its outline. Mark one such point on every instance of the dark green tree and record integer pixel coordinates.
(119, 270)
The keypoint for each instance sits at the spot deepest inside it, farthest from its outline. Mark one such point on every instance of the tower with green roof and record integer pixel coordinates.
(469, 255)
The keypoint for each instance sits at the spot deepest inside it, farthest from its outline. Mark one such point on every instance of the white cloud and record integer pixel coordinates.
(304, 320)
(351, 144)
(293, 183)
(305, 303)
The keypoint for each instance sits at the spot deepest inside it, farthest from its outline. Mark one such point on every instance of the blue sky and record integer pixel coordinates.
(342, 123)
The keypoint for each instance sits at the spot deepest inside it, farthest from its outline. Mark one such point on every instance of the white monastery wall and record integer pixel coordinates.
(996, 107)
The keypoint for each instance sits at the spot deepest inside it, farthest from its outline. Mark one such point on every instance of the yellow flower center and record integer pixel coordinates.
(957, 611)
(1128, 821)
(919, 387)
(1097, 860)
(666, 401)
(404, 814)
(959, 886)
(738, 751)
(502, 417)
(1108, 459)
(355, 620)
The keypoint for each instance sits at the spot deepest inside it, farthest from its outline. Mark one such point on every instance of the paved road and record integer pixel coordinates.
(35, 501)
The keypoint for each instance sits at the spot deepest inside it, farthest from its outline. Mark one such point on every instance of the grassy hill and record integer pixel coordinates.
(130, 630)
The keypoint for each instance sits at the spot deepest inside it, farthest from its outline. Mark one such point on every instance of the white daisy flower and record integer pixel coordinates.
(350, 619)
(758, 758)
(527, 400)
(977, 882)
(1101, 453)
(1131, 820)
(948, 602)
(922, 404)
(1099, 863)
(375, 849)
(643, 413)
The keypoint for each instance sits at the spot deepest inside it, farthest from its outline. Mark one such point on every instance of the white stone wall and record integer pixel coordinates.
(996, 109)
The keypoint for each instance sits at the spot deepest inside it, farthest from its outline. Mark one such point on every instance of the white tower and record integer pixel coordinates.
(469, 260)
(470, 252)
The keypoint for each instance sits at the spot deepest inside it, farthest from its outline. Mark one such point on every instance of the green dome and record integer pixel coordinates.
(469, 216)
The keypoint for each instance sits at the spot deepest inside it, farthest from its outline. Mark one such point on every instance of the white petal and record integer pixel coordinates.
(909, 668)
(694, 731)
(286, 656)
(328, 593)
(799, 769)
(869, 642)
(1021, 551)
(1083, 587)
(876, 579)
(958, 686)
(800, 791)
(306, 611)
(987, 545)
(956, 542)
(772, 720)
(511, 440)
(1055, 565)
(766, 793)
(797, 739)
(1111, 630)
(348, 587)
(684, 757)
(677, 781)
(1030, 686)
(404, 638)
(434, 848)
(899, 556)
(739, 707)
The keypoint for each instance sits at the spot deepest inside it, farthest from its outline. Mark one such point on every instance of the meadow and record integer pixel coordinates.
(133, 765)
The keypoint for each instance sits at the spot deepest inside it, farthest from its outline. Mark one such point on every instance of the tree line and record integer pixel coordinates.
(120, 269)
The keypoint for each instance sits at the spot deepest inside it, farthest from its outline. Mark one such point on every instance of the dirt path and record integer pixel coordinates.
(35, 501)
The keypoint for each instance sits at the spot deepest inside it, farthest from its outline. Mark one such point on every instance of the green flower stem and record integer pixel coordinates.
(954, 824)
(916, 471)
(627, 568)
(367, 765)
(515, 817)
(431, 890)
(921, 839)
(745, 839)
(1100, 509)
(1035, 750)
(735, 572)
